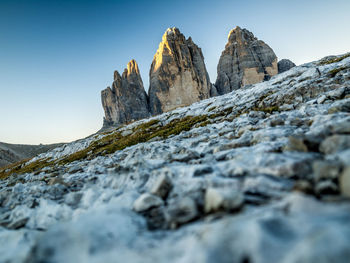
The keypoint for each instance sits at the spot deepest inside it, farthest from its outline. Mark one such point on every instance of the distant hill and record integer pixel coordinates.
(11, 153)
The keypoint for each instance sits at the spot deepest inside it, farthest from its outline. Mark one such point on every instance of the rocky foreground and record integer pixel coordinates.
(261, 174)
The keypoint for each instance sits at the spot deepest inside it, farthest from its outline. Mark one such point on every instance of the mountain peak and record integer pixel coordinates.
(178, 76)
(244, 61)
(132, 67)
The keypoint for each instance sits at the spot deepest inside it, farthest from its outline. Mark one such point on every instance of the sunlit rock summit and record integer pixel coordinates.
(178, 76)
(245, 60)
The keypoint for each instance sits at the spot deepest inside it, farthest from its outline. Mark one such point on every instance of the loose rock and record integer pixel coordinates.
(146, 202)
(222, 199)
(162, 186)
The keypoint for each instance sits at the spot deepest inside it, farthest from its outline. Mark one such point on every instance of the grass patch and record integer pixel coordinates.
(142, 133)
(335, 71)
(334, 60)
(264, 96)
(114, 141)
(21, 168)
(147, 125)
(211, 108)
(270, 109)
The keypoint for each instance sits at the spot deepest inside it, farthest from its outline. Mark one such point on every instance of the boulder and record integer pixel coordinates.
(178, 76)
(126, 100)
(335, 143)
(245, 60)
(162, 186)
(181, 211)
(284, 65)
(222, 199)
(147, 201)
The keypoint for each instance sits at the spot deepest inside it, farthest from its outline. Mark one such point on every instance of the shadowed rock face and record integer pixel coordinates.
(245, 60)
(284, 65)
(127, 99)
(178, 76)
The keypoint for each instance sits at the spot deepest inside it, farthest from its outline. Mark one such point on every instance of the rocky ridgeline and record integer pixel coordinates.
(261, 174)
(178, 76)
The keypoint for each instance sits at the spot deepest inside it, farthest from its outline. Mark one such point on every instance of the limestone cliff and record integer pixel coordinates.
(178, 76)
(127, 99)
(245, 60)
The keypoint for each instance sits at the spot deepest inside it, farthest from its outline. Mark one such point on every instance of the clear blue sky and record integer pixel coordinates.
(56, 56)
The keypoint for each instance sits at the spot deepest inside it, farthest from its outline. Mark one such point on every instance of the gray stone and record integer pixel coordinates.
(147, 201)
(341, 127)
(335, 143)
(336, 94)
(162, 186)
(181, 211)
(73, 198)
(321, 99)
(57, 180)
(284, 65)
(75, 169)
(18, 223)
(217, 199)
(296, 144)
(326, 170)
(340, 106)
(178, 76)
(245, 60)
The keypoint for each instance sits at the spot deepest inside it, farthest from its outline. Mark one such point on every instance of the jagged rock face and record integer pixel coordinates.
(245, 60)
(127, 99)
(178, 76)
(284, 65)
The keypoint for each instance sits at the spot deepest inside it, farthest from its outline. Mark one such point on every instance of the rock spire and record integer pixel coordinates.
(245, 60)
(178, 76)
(126, 100)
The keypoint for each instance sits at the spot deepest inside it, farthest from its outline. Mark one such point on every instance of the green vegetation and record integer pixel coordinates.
(211, 108)
(113, 142)
(21, 168)
(334, 60)
(264, 96)
(147, 124)
(335, 71)
(270, 109)
(142, 133)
